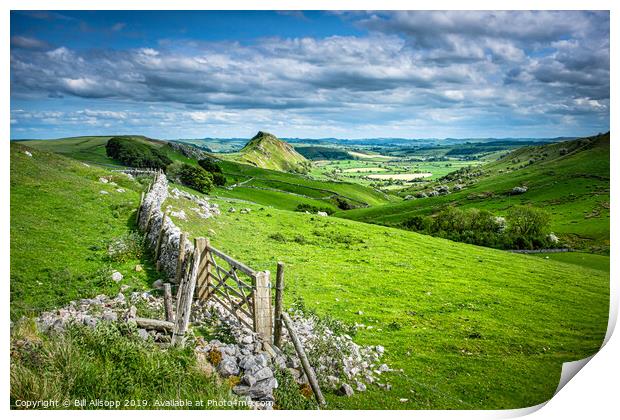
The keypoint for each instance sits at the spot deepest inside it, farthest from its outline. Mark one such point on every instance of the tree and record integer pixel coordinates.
(196, 178)
(528, 222)
(210, 165)
(134, 153)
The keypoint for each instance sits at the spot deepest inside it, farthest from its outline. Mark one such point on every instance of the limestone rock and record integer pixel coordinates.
(345, 390)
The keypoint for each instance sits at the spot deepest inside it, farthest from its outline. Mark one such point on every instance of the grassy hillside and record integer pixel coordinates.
(569, 179)
(322, 153)
(285, 190)
(470, 327)
(60, 227)
(264, 186)
(266, 151)
(86, 148)
(91, 149)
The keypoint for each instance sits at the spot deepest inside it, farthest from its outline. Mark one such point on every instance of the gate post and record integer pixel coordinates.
(277, 331)
(202, 282)
(262, 306)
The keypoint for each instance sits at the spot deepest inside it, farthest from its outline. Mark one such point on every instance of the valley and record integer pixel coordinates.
(442, 309)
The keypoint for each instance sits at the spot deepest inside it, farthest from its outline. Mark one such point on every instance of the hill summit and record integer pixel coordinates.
(265, 150)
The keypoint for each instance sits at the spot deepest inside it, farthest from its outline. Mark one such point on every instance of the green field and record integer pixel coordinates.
(357, 171)
(470, 327)
(60, 225)
(299, 188)
(572, 187)
(597, 262)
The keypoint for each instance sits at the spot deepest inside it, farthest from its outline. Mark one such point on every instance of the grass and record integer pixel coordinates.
(346, 170)
(573, 188)
(89, 149)
(111, 364)
(470, 327)
(597, 262)
(299, 185)
(268, 152)
(60, 228)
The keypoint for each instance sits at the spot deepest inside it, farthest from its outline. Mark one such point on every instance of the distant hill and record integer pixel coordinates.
(322, 153)
(92, 149)
(266, 151)
(570, 180)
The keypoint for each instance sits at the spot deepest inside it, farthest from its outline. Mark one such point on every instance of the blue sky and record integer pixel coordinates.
(309, 74)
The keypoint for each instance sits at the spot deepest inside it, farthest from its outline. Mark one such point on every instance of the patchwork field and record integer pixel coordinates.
(388, 175)
(403, 177)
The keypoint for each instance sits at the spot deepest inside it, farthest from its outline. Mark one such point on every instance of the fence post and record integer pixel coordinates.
(202, 244)
(314, 384)
(184, 302)
(140, 208)
(262, 306)
(180, 258)
(277, 331)
(168, 302)
(161, 234)
(149, 216)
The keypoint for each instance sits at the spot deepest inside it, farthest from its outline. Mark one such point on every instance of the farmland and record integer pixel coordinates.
(570, 180)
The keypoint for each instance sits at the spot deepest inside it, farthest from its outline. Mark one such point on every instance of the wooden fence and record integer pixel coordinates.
(209, 274)
(242, 291)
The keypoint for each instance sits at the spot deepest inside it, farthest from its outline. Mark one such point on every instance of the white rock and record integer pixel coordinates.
(345, 389)
(179, 214)
(103, 180)
(27, 153)
(321, 213)
(120, 190)
(116, 276)
(103, 192)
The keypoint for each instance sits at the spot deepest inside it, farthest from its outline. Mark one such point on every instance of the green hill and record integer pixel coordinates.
(271, 187)
(462, 326)
(266, 151)
(570, 180)
(91, 149)
(470, 327)
(61, 224)
(286, 190)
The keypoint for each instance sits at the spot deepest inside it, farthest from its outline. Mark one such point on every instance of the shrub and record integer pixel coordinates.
(528, 221)
(214, 169)
(524, 228)
(218, 179)
(344, 204)
(197, 178)
(210, 165)
(137, 154)
(278, 237)
(127, 247)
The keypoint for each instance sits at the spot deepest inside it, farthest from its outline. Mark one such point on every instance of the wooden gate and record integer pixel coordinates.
(242, 291)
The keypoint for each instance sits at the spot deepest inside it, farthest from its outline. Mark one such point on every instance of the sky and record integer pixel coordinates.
(197, 74)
